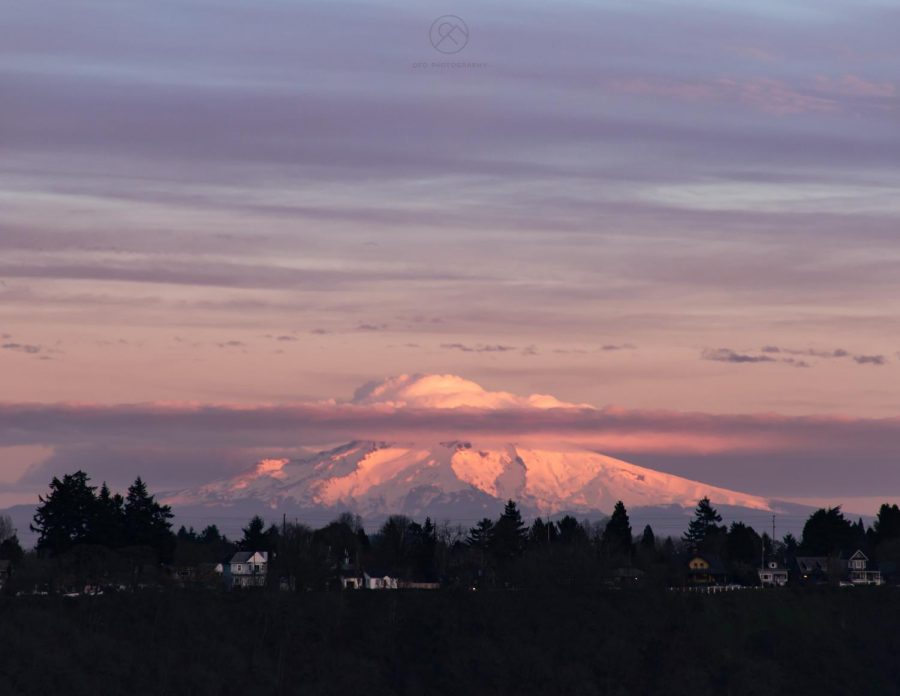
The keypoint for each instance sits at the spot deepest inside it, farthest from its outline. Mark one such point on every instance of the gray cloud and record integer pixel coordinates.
(728, 355)
(825, 354)
(22, 348)
(479, 348)
(870, 359)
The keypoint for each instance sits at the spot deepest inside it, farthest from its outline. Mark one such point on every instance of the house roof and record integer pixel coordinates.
(716, 567)
(859, 554)
(245, 556)
(813, 564)
(378, 573)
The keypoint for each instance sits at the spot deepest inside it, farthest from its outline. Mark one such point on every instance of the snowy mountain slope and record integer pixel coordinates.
(379, 478)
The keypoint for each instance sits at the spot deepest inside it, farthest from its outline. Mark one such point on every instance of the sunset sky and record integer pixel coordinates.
(218, 219)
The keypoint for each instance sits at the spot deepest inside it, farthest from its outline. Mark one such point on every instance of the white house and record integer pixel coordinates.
(858, 570)
(246, 569)
(351, 581)
(380, 582)
(773, 575)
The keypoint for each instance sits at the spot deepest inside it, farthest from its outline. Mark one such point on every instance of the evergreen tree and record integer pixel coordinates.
(542, 532)
(481, 536)
(63, 519)
(146, 521)
(571, 531)
(395, 541)
(108, 525)
(617, 539)
(210, 535)
(648, 539)
(510, 533)
(826, 532)
(11, 550)
(255, 538)
(743, 545)
(705, 522)
(887, 523)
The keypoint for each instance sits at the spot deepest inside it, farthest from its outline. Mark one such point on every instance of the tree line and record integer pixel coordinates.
(89, 533)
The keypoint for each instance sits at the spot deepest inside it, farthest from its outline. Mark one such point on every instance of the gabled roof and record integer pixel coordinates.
(716, 567)
(812, 564)
(379, 573)
(859, 554)
(245, 556)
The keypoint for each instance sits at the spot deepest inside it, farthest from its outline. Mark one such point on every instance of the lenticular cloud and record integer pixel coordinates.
(448, 391)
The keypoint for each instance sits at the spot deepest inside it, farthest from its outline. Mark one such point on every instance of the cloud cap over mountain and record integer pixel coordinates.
(448, 391)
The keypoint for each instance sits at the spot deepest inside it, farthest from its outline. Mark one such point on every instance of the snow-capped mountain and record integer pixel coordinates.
(460, 479)
(379, 478)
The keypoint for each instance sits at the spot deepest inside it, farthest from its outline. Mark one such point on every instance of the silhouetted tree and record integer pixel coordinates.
(11, 550)
(108, 524)
(542, 532)
(257, 537)
(63, 519)
(617, 541)
(743, 545)
(827, 531)
(887, 523)
(571, 532)
(146, 521)
(510, 533)
(394, 543)
(210, 535)
(705, 522)
(648, 539)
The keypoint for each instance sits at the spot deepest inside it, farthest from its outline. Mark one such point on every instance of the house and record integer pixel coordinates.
(624, 576)
(818, 569)
(705, 570)
(380, 581)
(773, 575)
(814, 569)
(351, 581)
(858, 570)
(246, 569)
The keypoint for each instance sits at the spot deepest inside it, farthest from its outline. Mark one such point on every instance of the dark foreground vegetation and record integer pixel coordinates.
(825, 641)
(92, 540)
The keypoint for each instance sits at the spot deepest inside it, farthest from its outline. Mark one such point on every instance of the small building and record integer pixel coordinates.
(773, 575)
(351, 581)
(817, 570)
(380, 581)
(624, 576)
(246, 569)
(705, 570)
(858, 570)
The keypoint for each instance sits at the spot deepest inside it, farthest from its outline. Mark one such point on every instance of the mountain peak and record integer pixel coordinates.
(378, 478)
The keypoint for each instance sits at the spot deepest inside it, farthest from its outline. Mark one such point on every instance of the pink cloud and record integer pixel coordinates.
(851, 85)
